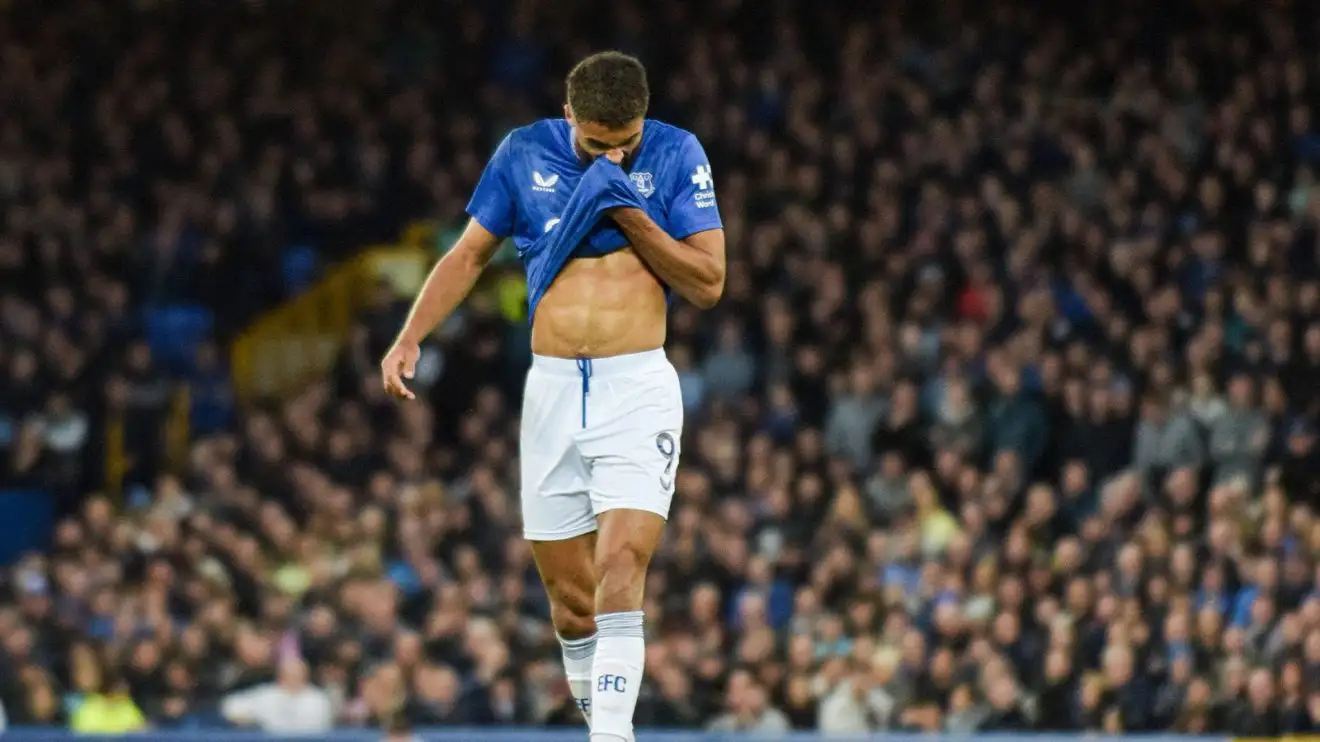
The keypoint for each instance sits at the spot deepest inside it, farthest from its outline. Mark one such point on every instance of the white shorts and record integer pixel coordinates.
(597, 434)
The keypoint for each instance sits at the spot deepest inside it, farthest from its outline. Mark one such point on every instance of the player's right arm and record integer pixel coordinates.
(492, 209)
(449, 283)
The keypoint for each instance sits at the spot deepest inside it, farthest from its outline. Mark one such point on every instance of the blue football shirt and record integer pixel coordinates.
(529, 180)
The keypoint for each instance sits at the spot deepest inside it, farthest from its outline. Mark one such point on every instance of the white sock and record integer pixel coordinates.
(578, 655)
(616, 675)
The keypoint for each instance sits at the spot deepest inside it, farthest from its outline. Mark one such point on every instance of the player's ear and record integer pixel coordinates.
(568, 113)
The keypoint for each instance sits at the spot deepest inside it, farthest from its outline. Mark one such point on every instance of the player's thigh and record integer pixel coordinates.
(568, 570)
(556, 505)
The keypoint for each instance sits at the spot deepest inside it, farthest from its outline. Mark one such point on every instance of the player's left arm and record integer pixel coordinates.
(692, 264)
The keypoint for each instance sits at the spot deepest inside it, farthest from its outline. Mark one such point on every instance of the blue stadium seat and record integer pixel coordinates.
(174, 333)
(27, 525)
(300, 268)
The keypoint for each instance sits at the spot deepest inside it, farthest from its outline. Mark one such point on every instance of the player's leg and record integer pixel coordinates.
(568, 570)
(633, 450)
(624, 547)
(558, 519)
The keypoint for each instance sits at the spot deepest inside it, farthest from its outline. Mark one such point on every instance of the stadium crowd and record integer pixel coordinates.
(1007, 420)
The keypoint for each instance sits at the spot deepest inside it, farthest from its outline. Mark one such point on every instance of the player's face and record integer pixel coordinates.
(594, 140)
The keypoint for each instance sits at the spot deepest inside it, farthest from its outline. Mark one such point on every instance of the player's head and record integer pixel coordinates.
(607, 100)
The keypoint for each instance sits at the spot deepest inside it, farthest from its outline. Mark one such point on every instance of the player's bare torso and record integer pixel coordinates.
(601, 307)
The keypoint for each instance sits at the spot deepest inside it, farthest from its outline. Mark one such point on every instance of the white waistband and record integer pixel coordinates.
(596, 367)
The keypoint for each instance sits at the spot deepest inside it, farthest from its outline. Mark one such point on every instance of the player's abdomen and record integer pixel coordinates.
(601, 307)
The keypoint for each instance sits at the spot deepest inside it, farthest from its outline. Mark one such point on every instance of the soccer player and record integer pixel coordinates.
(611, 213)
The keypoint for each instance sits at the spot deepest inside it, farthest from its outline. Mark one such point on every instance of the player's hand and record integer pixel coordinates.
(400, 363)
(615, 156)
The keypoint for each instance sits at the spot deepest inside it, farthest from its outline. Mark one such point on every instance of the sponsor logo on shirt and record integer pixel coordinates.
(705, 183)
(544, 183)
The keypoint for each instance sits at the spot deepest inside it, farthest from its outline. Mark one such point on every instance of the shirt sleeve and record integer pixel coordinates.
(492, 203)
(692, 205)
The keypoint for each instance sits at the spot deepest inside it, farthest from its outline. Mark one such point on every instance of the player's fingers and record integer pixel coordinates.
(389, 370)
(401, 389)
(615, 156)
(395, 370)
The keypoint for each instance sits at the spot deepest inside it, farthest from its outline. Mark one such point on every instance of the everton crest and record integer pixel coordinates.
(645, 184)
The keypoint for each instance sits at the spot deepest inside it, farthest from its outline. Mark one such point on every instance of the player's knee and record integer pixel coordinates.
(573, 623)
(572, 607)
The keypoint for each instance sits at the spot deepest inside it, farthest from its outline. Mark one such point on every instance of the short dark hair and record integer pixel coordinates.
(608, 88)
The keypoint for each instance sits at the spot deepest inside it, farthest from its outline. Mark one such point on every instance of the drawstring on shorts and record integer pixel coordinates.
(584, 368)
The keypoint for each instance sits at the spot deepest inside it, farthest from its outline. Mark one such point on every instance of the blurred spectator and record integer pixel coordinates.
(1017, 422)
(289, 705)
(436, 700)
(852, 417)
(858, 704)
(111, 711)
(1256, 715)
(749, 710)
(1240, 437)
(1165, 440)
(1005, 713)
